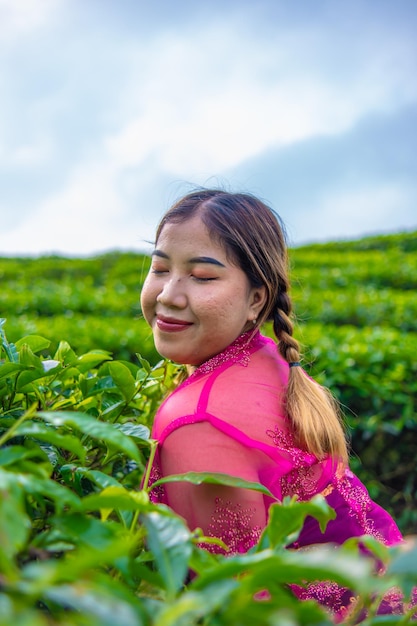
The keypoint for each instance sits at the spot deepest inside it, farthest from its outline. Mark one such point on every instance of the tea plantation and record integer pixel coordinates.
(80, 543)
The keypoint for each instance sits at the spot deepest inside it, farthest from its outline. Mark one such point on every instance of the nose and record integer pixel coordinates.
(173, 294)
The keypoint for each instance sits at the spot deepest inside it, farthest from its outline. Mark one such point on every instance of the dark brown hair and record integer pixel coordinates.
(254, 238)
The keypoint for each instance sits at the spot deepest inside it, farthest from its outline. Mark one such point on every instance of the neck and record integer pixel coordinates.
(190, 369)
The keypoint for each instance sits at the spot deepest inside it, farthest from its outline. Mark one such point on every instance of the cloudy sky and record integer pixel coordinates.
(110, 109)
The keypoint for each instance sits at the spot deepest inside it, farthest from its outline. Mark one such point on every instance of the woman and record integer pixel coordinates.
(247, 408)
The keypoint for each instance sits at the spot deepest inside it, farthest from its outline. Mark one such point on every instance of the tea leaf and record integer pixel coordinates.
(213, 478)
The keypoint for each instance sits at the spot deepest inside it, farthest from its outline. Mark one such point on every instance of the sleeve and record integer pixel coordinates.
(235, 515)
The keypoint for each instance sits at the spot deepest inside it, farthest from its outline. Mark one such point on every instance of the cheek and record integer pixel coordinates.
(147, 299)
(229, 306)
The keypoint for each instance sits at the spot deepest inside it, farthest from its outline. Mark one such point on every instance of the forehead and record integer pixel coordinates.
(189, 234)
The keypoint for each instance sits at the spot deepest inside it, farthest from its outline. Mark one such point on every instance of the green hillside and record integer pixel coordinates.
(81, 543)
(356, 309)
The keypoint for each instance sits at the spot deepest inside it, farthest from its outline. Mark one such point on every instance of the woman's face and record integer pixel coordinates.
(196, 301)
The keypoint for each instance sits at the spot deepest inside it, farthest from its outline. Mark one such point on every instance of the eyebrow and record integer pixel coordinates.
(196, 259)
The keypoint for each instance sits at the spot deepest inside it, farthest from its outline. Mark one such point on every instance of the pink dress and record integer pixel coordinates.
(229, 417)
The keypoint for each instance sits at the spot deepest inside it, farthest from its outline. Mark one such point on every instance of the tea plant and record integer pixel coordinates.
(356, 315)
(81, 544)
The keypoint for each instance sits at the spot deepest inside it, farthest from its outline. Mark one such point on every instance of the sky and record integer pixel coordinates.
(112, 109)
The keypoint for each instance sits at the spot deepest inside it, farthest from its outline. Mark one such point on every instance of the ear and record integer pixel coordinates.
(257, 301)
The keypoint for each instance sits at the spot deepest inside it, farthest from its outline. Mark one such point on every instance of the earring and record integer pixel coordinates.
(254, 321)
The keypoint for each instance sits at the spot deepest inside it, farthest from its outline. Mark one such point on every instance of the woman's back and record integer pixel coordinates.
(230, 417)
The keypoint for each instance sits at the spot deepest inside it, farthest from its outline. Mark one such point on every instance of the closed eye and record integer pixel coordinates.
(154, 271)
(204, 279)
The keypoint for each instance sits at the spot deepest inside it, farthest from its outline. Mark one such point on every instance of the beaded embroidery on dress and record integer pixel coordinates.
(233, 523)
(237, 352)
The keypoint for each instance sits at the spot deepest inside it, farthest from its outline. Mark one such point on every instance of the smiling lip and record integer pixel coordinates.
(171, 325)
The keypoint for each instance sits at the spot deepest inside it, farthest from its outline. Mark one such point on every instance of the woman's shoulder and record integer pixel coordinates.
(265, 366)
(258, 367)
(234, 389)
(254, 393)
(237, 353)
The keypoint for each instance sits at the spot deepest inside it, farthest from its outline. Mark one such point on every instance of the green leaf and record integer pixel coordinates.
(404, 565)
(103, 603)
(65, 354)
(27, 377)
(297, 567)
(41, 431)
(9, 368)
(123, 379)
(117, 498)
(82, 561)
(85, 531)
(191, 607)
(9, 348)
(212, 478)
(35, 343)
(28, 359)
(14, 522)
(9, 455)
(144, 363)
(100, 479)
(92, 427)
(137, 431)
(286, 519)
(91, 359)
(20, 616)
(171, 544)
(44, 487)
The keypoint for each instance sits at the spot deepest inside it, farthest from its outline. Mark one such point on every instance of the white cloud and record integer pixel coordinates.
(192, 101)
(28, 154)
(343, 213)
(85, 216)
(200, 115)
(20, 17)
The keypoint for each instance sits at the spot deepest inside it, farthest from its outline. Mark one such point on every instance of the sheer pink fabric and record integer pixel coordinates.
(229, 417)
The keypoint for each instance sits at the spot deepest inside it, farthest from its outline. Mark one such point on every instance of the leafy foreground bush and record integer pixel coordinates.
(82, 545)
(373, 373)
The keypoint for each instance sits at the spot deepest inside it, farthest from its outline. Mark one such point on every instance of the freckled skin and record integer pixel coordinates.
(195, 307)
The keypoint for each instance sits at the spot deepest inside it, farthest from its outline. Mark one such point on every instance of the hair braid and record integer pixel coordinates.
(313, 410)
(283, 328)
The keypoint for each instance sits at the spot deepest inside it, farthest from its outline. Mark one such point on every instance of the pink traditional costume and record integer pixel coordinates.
(229, 417)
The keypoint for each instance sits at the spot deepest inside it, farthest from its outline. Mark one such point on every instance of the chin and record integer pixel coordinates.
(182, 359)
(175, 357)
